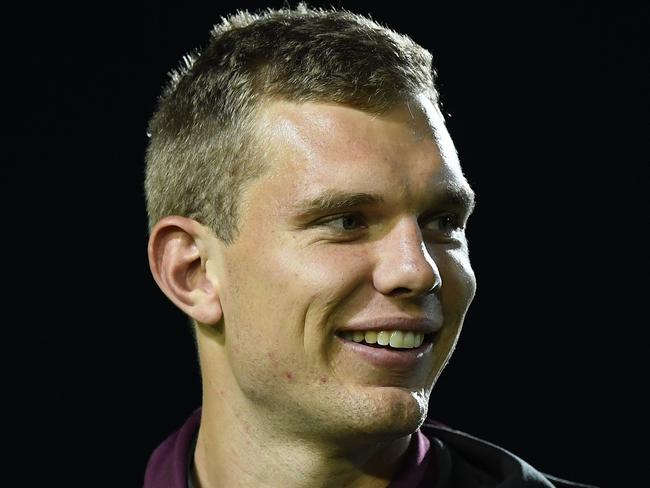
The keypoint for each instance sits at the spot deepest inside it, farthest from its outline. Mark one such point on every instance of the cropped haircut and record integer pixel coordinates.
(203, 147)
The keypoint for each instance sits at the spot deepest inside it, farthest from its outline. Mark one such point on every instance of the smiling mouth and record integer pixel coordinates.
(388, 339)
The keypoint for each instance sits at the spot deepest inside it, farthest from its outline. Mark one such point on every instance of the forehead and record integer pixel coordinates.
(315, 147)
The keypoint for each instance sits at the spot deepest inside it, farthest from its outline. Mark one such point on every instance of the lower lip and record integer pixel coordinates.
(389, 358)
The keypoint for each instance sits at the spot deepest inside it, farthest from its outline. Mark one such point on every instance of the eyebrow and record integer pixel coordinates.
(460, 196)
(333, 200)
(336, 200)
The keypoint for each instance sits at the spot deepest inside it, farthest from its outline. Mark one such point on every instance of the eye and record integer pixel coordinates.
(444, 224)
(344, 223)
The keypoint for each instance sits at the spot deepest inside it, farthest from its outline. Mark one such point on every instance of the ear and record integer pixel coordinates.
(182, 258)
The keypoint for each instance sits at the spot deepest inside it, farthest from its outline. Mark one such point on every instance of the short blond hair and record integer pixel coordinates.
(203, 148)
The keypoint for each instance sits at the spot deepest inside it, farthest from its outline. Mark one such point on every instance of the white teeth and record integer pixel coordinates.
(395, 338)
(371, 337)
(383, 338)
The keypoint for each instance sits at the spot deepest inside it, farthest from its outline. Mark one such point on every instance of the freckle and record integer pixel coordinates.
(289, 375)
(323, 379)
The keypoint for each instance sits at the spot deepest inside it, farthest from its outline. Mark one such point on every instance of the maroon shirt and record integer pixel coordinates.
(438, 457)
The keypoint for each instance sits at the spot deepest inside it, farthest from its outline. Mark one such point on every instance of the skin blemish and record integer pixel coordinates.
(323, 379)
(288, 375)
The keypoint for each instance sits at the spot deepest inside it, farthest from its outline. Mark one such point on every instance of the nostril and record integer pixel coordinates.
(400, 291)
(434, 288)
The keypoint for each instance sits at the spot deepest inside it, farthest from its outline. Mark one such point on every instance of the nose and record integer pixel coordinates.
(404, 266)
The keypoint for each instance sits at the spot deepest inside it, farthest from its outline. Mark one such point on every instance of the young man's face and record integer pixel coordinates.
(356, 226)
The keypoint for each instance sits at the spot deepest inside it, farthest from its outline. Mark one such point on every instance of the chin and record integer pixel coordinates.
(390, 414)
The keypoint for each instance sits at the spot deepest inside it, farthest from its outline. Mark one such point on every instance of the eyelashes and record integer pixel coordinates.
(446, 224)
(350, 224)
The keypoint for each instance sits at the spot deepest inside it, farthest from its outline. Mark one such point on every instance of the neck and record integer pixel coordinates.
(235, 448)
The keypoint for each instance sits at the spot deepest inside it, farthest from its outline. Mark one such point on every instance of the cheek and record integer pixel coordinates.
(458, 282)
(322, 274)
(334, 274)
(284, 296)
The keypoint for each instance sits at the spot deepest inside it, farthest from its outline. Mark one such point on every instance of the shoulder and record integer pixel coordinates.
(466, 457)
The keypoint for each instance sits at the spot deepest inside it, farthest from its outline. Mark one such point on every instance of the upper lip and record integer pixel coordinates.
(415, 324)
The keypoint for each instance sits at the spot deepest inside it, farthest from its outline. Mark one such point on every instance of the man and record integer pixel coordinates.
(308, 213)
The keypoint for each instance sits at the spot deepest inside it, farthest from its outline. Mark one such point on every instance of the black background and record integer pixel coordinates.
(548, 108)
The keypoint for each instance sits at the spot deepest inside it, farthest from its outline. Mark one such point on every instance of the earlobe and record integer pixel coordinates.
(179, 251)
